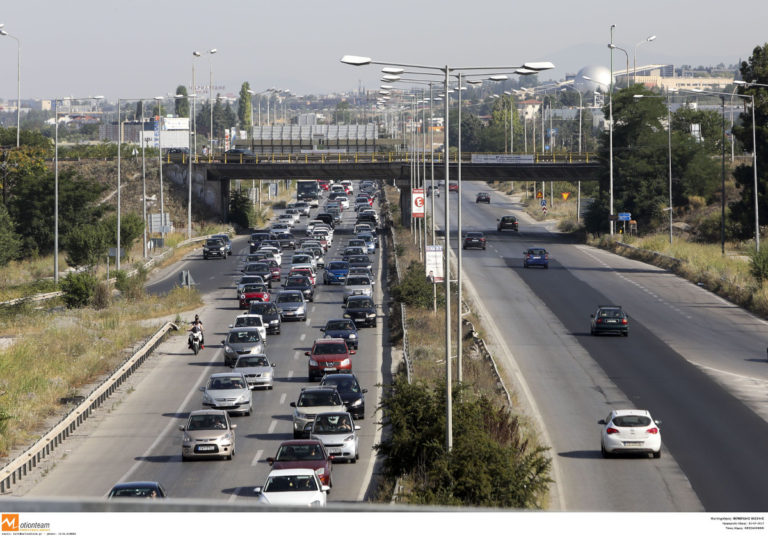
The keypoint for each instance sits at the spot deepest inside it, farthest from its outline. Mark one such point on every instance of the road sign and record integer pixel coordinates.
(434, 264)
(543, 202)
(417, 203)
(539, 195)
(565, 195)
(113, 252)
(625, 216)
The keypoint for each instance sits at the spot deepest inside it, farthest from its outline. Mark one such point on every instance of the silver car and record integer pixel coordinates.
(247, 280)
(357, 285)
(291, 305)
(208, 433)
(228, 391)
(313, 401)
(338, 433)
(241, 341)
(257, 369)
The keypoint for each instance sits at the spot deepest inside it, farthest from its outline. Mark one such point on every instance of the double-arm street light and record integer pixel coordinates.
(634, 58)
(397, 69)
(626, 72)
(56, 181)
(3, 32)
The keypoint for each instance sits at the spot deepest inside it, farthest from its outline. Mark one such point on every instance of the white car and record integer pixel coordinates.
(630, 431)
(303, 259)
(276, 253)
(356, 285)
(280, 227)
(343, 201)
(292, 487)
(251, 321)
(338, 433)
(311, 226)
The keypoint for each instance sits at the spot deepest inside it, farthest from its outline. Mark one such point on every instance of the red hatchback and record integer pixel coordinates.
(328, 356)
(304, 454)
(304, 271)
(253, 292)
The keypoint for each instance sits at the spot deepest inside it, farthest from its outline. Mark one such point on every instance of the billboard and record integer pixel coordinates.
(434, 264)
(417, 203)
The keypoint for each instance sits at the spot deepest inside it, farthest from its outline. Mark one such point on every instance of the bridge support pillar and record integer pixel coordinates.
(405, 207)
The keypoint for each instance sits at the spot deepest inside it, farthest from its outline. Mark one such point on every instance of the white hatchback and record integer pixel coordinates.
(630, 431)
(293, 487)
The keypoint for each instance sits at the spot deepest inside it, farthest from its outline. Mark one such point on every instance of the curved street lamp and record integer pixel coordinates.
(634, 59)
(3, 32)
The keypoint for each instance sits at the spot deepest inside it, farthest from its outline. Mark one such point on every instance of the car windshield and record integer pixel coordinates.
(631, 421)
(508, 219)
(358, 280)
(474, 235)
(248, 321)
(319, 398)
(299, 281)
(330, 348)
(295, 453)
(332, 424)
(223, 384)
(335, 325)
(214, 243)
(289, 298)
(239, 337)
(359, 304)
(252, 361)
(338, 266)
(359, 258)
(250, 279)
(277, 484)
(301, 259)
(207, 422)
(254, 288)
(137, 492)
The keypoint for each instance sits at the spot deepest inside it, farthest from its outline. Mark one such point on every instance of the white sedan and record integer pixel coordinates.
(293, 487)
(630, 431)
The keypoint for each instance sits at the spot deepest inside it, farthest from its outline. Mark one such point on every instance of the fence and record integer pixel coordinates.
(18, 468)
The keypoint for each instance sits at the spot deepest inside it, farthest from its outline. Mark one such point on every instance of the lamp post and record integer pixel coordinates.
(634, 58)
(397, 69)
(210, 95)
(626, 72)
(160, 161)
(18, 82)
(610, 137)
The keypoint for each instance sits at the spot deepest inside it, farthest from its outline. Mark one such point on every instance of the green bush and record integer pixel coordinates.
(490, 465)
(102, 295)
(131, 287)
(759, 265)
(414, 289)
(78, 289)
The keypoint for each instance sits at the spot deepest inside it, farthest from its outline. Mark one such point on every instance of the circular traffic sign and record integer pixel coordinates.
(419, 202)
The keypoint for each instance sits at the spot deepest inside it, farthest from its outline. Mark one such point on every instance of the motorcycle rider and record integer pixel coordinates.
(197, 325)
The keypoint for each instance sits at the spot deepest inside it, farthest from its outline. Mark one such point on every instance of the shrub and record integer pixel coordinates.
(78, 289)
(131, 287)
(414, 289)
(102, 295)
(759, 265)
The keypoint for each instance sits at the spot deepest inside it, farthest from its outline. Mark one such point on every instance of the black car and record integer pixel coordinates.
(360, 260)
(302, 283)
(351, 251)
(286, 240)
(507, 222)
(270, 315)
(473, 239)
(366, 217)
(227, 242)
(483, 197)
(257, 238)
(137, 490)
(259, 268)
(609, 319)
(327, 218)
(214, 247)
(361, 309)
(351, 393)
(342, 328)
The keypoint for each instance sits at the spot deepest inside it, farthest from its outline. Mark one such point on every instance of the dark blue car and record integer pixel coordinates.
(336, 272)
(342, 328)
(535, 257)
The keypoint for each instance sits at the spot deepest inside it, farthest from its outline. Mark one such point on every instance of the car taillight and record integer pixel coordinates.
(546, 256)
(624, 321)
(599, 321)
(610, 431)
(653, 430)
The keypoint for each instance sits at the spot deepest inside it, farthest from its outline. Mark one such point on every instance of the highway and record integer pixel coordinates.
(137, 437)
(694, 360)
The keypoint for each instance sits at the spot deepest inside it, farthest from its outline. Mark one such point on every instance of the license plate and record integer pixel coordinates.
(206, 448)
(610, 321)
(330, 369)
(335, 452)
(633, 443)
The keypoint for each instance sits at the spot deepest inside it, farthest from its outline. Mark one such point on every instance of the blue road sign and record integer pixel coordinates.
(625, 216)
(543, 202)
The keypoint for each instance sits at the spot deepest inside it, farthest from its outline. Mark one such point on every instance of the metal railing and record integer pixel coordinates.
(26, 462)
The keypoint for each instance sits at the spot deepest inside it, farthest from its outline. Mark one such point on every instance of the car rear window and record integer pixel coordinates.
(631, 421)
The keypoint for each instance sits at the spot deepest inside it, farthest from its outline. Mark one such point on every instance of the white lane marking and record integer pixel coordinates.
(296, 354)
(235, 495)
(308, 322)
(290, 374)
(272, 427)
(313, 309)
(256, 458)
(171, 424)
(282, 398)
(303, 336)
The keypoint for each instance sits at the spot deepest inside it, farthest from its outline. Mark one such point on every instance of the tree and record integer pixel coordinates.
(240, 210)
(244, 109)
(17, 163)
(86, 245)
(131, 228)
(181, 104)
(742, 211)
(10, 242)
(342, 114)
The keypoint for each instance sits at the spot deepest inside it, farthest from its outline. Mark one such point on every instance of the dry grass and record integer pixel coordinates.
(57, 353)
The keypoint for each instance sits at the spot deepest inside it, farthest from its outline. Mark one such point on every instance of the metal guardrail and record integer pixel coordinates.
(23, 464)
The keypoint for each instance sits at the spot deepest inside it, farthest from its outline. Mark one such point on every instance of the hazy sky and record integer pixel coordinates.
(142, 48)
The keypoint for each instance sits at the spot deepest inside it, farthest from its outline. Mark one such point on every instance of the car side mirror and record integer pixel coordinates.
(658, 423)
(273, 365)
(357, 427)
(592, 316)
(270, 461)
(601, 421)
(352, 352)
(293, 404)
(365, 390)
(322, 329)
(498, 219)
(257, 490)
(202, 388)
(182, 427)
(232, 426)
(231, 326)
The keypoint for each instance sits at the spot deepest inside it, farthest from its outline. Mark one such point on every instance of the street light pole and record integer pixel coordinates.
(18, 83)
(160, 161)
(210, 95)
(610, 136)
(56, 195)
(634, 58)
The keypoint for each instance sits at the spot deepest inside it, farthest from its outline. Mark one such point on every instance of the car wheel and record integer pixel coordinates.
(546, 266)
(483, 248)
(657, 455)
(184, 458)
(296, 435)
(592, 332)
(604, 452)
(625, 333)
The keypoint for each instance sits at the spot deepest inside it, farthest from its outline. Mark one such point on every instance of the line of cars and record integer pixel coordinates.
(324, 416)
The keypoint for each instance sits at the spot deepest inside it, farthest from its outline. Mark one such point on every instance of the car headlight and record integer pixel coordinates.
(320, 471)
(349, 438)
(221, 249)
(352, 336)
(274, 322)
(242, 296)
(315, 504)
(371, 315)
(228, 349)
(207, 399)
(344, 363)
(300, 310)
(188, 439)
(312, 362)
(358, 402)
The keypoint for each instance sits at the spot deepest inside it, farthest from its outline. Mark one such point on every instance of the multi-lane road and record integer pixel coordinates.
(694, 360)
(139, 439)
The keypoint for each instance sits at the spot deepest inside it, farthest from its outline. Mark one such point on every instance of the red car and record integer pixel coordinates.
(328, 356)
(274, 268)
(304, 454)
(453, 187)
(304, 271)
(253, 292)
(323, 184)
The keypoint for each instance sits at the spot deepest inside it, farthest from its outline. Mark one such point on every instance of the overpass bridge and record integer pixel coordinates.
(212, 175)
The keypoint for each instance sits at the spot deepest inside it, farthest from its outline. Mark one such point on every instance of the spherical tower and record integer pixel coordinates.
(593, 78)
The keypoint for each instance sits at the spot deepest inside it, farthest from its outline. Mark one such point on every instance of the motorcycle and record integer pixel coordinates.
(195, 340)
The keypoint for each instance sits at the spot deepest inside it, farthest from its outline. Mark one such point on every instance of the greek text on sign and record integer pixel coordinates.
(417, 203)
